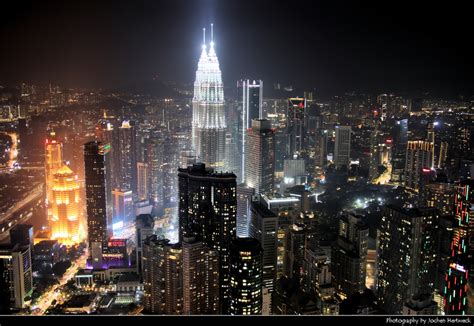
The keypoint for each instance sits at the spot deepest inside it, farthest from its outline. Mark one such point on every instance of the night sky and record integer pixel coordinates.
(332, 46)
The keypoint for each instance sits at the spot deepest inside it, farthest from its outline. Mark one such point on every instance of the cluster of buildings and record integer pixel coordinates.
(235, 189)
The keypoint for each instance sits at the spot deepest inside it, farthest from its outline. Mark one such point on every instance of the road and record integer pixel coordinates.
(45, 300)
(13, 216)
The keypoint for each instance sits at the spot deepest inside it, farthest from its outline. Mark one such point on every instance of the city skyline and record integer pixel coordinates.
(235, 193)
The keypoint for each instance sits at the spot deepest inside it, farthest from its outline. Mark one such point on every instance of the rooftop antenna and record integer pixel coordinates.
(212, 34)
(204, 37)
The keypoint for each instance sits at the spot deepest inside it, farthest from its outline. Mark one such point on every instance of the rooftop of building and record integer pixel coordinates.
(262, 210)
(128, 277)
(200, 170)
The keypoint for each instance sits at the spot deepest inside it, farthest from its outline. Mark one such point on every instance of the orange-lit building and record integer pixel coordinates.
(53, 161)
(65, 206)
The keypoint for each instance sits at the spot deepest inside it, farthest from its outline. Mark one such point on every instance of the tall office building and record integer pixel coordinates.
(383, 103)
(107, 134)
(443, 153)
(244, 198)
(162, 276)
(246, 277)
(264, 228)
(207, 212)
(127, 156)
(406, 255)
(98, 221)
(418, 163)
(143, 181)
(399, 150)
(200, 278)
(65, 205)
(209, 124)
(260, 157)
(374, 154)
(155, 153)
(252, 98)
(295, 126)
(53, 161)
(17, 274)
(342, 146)
(441, 196)
(144, 225)
(349, 255)
(459, 273)
(123, 209)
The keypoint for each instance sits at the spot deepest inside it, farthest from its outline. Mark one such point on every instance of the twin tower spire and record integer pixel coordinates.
(204, 37)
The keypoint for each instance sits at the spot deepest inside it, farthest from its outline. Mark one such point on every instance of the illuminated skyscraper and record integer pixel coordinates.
(349, 255)
(264, 228)
(342, 146)
(53, 161)
(207, 212)
(65, 206)
(143, 182)
(244, 198)
(399, 149)
(123, 210)
(200, 278)
(456, 288)
(295, 126)
(260, 157)
(128, 156)
(209, 125)
(418, 163)
(95, 162)
(246, 277)
(16, 273)
(252, 98)
(162, 276)
(406, 255)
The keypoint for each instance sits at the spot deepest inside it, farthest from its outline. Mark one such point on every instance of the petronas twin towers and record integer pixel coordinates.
(209, 125)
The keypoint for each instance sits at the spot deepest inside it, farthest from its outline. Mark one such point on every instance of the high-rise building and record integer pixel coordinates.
(349, 255)
(246, 277)
(457, 277)
(295, 126)
(244, 197)
(65, 205)
(207, 212)
(374, 154)
(123, 209)
(342, 146)
(209, 123)
(441, 196)
(200, 278)
(399, 149)
(264, 228)
(144, 225)
(406, 255)
(98, 221)
(443, 153)
(155, 153)
(383, 103)
(127, 156)
(418, 163)
(53, 161)
(260, 157)
(143, 181)
(107, 134)
(17, 274)
(252, 98)
(162, 276)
